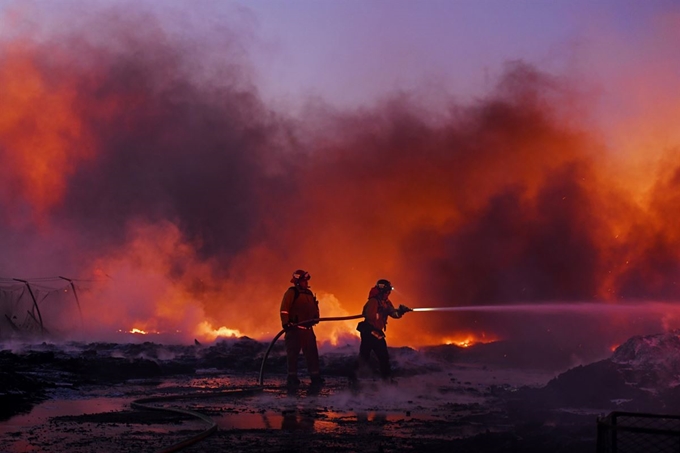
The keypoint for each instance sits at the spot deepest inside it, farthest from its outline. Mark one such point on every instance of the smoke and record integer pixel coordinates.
(130, 152)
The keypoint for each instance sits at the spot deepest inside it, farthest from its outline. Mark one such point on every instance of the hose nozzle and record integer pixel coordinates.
(403, 309)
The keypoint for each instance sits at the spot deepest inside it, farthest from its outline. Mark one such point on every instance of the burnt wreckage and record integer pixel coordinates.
(39, 308)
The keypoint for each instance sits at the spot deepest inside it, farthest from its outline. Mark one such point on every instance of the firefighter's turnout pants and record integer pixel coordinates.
(302, 339)
(379, 346)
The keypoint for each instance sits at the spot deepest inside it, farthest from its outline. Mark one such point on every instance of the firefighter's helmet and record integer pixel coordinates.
(384, 285)
(300, 275)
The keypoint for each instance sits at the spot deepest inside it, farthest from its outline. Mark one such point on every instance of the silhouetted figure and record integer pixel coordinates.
(376, 311)
(299, 313)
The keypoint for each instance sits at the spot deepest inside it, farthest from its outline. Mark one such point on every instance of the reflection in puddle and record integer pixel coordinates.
(297, 421)
(310, 420)
(438, 408)
(58, 407)
(286, 420)
(248, 421)
(377, 411)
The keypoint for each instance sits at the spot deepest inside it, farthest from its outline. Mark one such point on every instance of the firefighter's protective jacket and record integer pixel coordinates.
(299, 309)
(376, 312)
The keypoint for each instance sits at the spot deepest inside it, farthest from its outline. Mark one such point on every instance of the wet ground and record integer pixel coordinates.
(82, 402)
(462, 407)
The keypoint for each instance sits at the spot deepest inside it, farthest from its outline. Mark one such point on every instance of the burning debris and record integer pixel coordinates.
(43, 309)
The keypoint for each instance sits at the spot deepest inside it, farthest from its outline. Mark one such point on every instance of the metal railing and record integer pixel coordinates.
(631, 432)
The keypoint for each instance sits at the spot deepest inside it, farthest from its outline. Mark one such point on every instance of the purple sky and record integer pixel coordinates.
(622, 54)
(349, 53)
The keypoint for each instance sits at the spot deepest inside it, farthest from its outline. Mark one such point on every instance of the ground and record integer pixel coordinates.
(82, 403)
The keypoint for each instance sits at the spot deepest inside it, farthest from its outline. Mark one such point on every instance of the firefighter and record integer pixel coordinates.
(376, 311)
(299, 314)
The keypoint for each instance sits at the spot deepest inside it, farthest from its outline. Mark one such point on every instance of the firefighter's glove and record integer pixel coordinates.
(403, 309)
(287, 325)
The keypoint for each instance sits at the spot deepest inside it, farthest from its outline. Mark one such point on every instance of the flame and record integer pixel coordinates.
(470, 339)
(206, 331)
(139, 287)
(139, 331)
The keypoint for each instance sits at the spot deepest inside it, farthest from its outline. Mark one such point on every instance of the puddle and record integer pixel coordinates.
(314, 420)
(41, 413)
(335, 411)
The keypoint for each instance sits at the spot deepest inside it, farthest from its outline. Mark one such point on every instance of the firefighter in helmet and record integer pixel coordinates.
(299, 314)
(376, 311)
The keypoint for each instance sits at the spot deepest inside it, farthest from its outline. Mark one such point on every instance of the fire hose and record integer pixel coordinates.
(144, 403)
(402, 309)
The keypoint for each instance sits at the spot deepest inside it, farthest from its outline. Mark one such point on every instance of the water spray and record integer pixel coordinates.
(576, 307)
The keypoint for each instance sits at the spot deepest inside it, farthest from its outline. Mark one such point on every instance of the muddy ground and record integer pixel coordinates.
(78, 398)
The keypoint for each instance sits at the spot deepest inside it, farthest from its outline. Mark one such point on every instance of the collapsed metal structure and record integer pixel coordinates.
(37, 308)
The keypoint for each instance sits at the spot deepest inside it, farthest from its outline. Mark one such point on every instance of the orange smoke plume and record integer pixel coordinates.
(41, 132)
(175, 180)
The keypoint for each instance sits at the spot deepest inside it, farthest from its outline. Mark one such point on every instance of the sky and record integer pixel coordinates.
(180, 159)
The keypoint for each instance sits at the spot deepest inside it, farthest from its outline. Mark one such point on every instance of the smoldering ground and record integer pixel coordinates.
(137, 156)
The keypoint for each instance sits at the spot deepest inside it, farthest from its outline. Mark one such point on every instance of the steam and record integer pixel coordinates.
(133, 153)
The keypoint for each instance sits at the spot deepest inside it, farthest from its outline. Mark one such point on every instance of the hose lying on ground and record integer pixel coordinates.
(144, 403)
